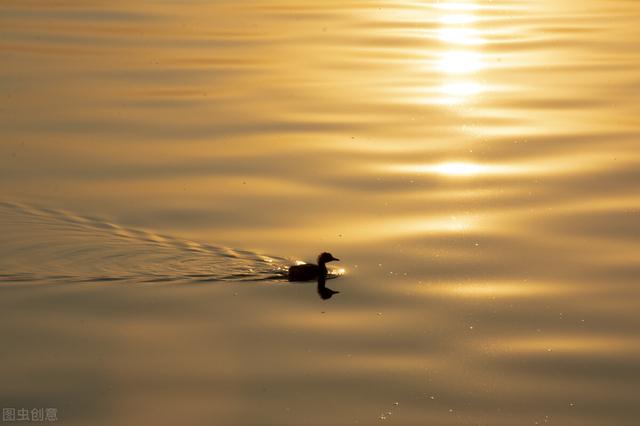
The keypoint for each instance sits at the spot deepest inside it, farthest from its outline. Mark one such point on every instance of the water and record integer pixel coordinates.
(46, 245)
(474, 164)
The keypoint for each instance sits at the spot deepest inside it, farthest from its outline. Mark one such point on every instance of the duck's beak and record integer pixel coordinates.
(335, 258)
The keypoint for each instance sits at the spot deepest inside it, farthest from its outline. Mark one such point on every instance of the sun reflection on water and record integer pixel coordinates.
(461, 89)
(457, 6)
(458, 168)
(460, 62)
(456, 30)
(459, 36)
(496, 289)
(458, 19)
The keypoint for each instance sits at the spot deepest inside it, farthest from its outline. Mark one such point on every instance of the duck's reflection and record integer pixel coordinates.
(323, 291)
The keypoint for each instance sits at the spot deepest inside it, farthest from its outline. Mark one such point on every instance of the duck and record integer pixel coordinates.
(309, 271)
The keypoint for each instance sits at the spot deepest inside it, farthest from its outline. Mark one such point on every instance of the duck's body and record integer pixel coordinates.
(304, 272)
(309, 271)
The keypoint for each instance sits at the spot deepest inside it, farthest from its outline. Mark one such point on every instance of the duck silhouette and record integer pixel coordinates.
(309, 271)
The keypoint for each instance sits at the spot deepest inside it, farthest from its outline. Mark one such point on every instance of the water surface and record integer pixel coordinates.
(474, 164)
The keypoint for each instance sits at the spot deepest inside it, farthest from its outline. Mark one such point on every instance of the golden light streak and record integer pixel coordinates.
(460, 35)
(456, 92)
(458, 168)
(457, 6)
(460, 62)
(456, 30)
(458, 19)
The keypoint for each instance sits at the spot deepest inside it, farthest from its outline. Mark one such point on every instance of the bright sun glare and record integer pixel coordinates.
(467, 36)
(459, 169)
(458, 6)
(458, 19)
(460, 62)
(460, 89)
(460, 58)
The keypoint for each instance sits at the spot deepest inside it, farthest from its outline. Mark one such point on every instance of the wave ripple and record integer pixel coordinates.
(42, 244)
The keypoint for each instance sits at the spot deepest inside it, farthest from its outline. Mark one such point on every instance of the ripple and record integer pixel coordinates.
(42, 244)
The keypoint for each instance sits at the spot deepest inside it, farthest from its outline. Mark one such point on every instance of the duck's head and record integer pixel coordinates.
(326, 257)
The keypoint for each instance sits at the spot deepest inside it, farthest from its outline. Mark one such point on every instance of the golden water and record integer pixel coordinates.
(474, 164)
